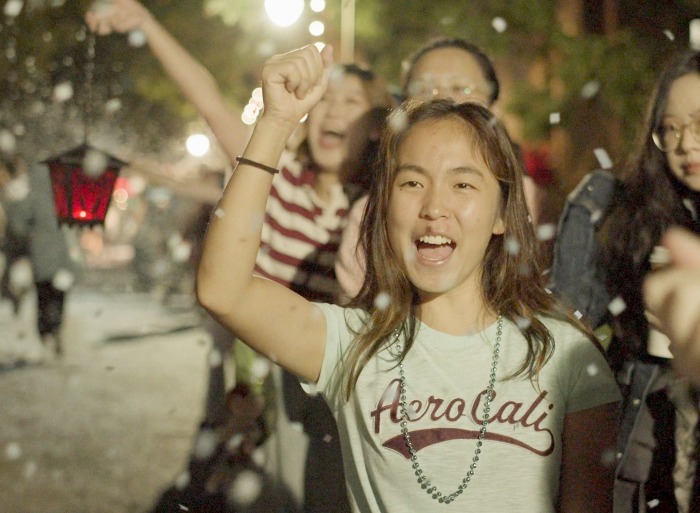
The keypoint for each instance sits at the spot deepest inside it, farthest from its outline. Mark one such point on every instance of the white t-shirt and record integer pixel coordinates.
(518, 468)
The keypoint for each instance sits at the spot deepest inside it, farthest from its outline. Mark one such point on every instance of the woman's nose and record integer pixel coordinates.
(434, 205)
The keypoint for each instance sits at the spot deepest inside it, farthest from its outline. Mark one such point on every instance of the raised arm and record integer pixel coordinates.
(195, 82)
(267, 316)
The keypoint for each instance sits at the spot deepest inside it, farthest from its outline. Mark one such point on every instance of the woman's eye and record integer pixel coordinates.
(464, 185)
(410, 183)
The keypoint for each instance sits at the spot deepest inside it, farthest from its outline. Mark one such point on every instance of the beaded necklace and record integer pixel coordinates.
(424, 482)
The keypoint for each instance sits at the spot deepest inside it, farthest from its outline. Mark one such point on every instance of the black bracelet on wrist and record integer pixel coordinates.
(269, 169)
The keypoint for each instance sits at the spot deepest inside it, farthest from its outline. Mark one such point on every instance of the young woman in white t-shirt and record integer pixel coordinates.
(454, 377)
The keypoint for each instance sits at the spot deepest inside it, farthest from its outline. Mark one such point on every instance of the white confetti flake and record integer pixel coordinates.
(592, 369)
(522, 323)
(617, 306)
(694, 34)
(234, 443)
(19, 129)
(398, 121)
(219, 212)
(260, 369)
(554, 118)
(63, 280)
(596, 216)
(259, 456)
(546, 232)
(182, 481)
(382, 301)
(590, 89)
(113, 105)
(13, 451)
(182, 507)
(603, 158)
(578, 315)
(20, 275)
(215, 358)
(669, 35)
(245, 489)
(653, 503)
(512, 246)
(13, 8)
(181, 251)
(206, 443)
(63, 92)
(94, 163)
(499, 24)
(137, 38)
(8, 143)
(327, 438)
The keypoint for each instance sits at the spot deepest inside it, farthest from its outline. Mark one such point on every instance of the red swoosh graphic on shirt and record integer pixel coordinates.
(422, 438)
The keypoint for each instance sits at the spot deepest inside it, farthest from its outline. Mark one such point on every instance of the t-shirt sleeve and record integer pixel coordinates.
(585, 375)
(338, 338)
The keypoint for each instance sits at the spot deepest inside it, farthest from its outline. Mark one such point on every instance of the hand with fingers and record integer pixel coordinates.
(673, 296)
(105, 17)
(294, 82)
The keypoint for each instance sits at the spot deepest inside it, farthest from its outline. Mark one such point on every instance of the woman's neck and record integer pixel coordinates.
(324, 183)
(456, 315)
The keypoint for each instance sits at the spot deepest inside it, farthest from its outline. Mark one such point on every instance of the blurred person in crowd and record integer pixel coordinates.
(302, 227)
(33, 218)
(603, 276)
(443, 68)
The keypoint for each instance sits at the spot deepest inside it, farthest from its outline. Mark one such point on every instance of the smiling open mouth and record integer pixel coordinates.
(434, 248)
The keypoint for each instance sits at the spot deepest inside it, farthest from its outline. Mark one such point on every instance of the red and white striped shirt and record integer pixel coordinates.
(301, 233)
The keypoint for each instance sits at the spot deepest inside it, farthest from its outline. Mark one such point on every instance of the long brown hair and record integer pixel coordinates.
(512, 283)
(651, 201)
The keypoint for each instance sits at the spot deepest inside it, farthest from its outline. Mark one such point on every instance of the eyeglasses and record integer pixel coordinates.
(667, 137)
(427, 90)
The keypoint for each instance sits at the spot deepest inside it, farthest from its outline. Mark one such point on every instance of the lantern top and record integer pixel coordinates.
(76, 156)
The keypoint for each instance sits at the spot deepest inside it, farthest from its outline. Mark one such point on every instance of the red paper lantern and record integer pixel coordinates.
(80, 198)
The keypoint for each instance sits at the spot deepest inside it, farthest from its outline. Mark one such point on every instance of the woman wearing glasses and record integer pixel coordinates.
(661, 187)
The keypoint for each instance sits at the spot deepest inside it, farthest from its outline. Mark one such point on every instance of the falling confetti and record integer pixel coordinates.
(653, 503)
(205, 444)
(8, 143)
(63, 92)
(554, 118)
(63, 280)
(512, 246)
(398, 121)
(260, 369)
(113, 105)
(182, 481)
(382, 301)
(617, 306)
(137, 38)
(245, 489)
(183, 507)
(590, 89)
(546, 232)
(499, 24)
(13, 451)
(578, 315)
(522, 323)
(215, 358)
(327, 438)
(669, 35)
(94, 163)
(694, 34)
(603, 158)
(596, 216)
(219, 212)
(592, 369)
(13, 8)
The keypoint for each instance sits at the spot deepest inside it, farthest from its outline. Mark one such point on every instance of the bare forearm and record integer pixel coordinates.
(233, 236)
(198, 86)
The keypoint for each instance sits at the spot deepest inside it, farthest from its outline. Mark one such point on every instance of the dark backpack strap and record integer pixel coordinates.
(576, 276)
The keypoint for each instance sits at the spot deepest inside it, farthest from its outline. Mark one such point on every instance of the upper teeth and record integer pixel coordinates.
(435, 239)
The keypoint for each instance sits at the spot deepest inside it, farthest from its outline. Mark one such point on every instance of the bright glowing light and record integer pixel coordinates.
(316, 28)
(317, 5)
(284, 12)
(197, 144)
